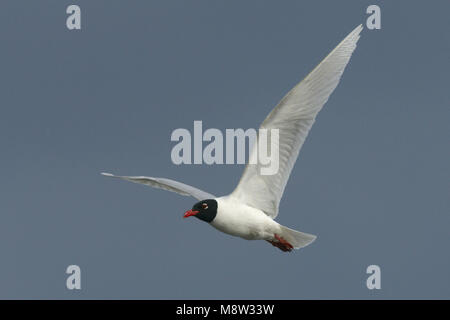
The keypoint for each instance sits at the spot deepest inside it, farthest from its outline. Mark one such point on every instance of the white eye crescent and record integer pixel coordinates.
(204, 206)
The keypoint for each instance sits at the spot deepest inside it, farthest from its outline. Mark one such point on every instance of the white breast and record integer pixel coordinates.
(240, 220)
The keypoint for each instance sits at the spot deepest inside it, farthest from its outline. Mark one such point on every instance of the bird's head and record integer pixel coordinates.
(205, 210)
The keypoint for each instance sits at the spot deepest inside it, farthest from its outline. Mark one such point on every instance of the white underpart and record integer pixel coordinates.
(243, 221)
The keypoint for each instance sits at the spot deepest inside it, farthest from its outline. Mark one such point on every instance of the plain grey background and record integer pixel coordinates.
(372, 180)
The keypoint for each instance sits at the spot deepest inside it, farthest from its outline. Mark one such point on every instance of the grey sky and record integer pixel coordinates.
(372, 180)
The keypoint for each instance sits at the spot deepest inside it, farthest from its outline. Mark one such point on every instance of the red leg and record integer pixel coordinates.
(281, 244)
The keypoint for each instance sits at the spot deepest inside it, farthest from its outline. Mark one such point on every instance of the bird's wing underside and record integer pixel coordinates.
(167, 184)
(293, 117)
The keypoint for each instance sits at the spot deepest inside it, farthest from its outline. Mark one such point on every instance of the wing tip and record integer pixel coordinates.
(350, 41)
(356, 32)
(358, 28)
(107, 174)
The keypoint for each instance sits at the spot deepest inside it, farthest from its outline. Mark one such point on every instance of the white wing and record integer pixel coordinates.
(294, 117)
(167, 184)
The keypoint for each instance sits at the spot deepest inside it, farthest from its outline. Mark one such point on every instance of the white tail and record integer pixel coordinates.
(296, 238)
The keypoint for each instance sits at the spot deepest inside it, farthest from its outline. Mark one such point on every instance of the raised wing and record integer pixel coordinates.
(167, 184)
(294, 117)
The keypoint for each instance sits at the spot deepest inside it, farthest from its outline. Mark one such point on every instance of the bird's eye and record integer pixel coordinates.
(204, 206)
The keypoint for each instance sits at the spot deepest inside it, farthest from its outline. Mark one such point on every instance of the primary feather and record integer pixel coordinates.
(293, 117)
(166, 184)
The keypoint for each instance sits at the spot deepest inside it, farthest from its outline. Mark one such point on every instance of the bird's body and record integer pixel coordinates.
(249, 211)
(241, 220)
